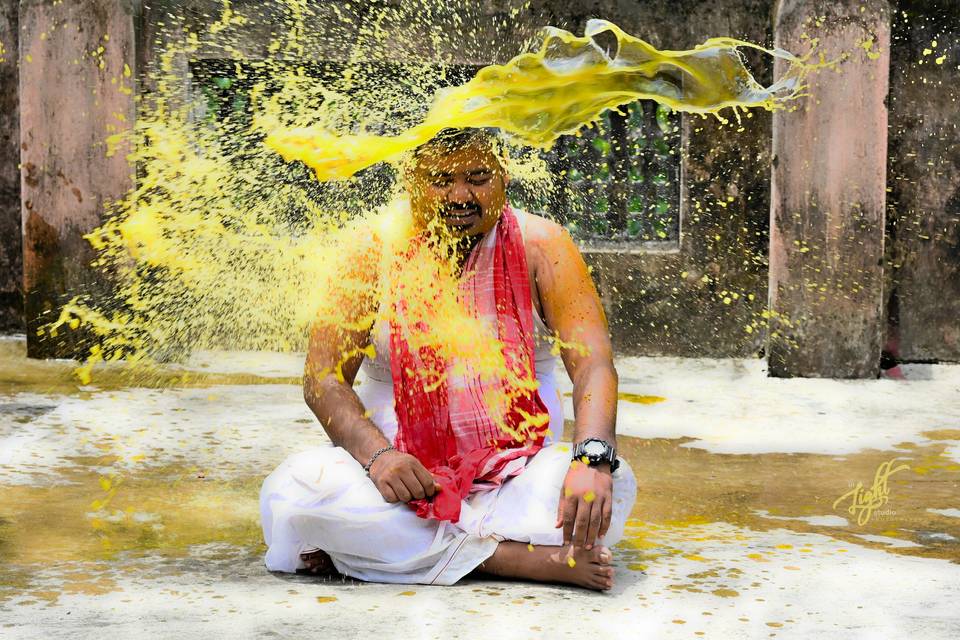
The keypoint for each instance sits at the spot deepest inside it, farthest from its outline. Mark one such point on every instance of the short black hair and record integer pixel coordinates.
(453, 139)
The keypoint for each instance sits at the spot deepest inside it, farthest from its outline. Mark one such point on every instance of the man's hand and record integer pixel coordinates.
(401, 477)
(586, 503)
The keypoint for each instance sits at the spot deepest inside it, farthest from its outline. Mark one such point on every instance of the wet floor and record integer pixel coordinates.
(155, 480)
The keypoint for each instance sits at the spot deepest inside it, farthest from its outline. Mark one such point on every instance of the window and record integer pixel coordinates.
(618, 183)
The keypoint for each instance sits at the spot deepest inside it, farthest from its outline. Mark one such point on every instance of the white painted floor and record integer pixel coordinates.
(758, 573)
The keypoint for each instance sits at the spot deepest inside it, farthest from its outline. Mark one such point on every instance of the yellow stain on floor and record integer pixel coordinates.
(19, 374)
(97, 511)
(942, 434)
(640, 399)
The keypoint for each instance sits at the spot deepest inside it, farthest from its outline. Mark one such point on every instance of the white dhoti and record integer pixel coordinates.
(322, 498)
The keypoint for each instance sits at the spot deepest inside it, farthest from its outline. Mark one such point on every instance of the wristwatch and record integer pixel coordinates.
(596, 451)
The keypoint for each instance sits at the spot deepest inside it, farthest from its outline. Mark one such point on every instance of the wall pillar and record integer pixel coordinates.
(76, 89)
(828, 194)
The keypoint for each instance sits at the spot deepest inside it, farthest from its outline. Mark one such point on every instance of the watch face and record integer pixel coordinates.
(594, 448)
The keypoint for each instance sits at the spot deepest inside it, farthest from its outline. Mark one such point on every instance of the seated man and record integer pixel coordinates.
(410, 494)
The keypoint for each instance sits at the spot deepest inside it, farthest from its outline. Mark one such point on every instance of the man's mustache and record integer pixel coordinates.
(450, 208)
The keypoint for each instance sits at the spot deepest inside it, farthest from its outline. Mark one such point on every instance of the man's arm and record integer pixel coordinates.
(332, 398)
(572, 309)
(333, 360)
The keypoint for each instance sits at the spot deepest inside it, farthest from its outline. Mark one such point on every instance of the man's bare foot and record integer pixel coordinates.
(590, 568)
(318, 563)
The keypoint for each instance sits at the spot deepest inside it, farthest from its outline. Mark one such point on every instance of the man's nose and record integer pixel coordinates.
(459, 191)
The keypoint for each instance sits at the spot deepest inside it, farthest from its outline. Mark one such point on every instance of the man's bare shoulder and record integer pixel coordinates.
(546, 234)
(550, 250)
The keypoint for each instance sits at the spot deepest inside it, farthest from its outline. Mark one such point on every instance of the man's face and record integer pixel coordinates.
(465, 189)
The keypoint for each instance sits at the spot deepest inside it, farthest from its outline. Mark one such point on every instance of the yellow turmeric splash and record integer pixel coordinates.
(228, 242)
(568, 83)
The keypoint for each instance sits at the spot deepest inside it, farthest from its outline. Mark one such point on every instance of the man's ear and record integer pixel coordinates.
(405, 172)
(405, 175)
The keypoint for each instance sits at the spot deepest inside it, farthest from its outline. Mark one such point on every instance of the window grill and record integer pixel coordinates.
(618, 183)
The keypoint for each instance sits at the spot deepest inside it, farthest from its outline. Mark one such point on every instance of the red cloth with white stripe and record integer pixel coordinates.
(447, 426)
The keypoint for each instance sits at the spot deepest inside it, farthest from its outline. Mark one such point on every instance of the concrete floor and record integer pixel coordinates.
(128, 508)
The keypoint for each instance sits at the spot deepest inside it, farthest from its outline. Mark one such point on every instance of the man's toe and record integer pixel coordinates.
(603, 555)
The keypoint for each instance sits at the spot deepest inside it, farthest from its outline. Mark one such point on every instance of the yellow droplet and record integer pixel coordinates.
(589, 496)
(571, 562)
(83, 374)
(322, 599)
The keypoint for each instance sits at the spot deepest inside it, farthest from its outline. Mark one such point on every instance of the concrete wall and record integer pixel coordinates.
(11, 248)
(924, 167)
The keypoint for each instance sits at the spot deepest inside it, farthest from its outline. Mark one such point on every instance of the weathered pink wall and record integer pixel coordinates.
(11, 248)
(73, 61)
(828, 195)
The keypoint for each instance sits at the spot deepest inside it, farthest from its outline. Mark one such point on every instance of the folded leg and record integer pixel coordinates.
(321, 498)
(526, 506)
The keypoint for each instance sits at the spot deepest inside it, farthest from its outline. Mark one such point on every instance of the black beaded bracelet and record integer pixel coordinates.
(366, 467)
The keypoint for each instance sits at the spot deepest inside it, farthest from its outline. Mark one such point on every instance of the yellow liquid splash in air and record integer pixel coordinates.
(568, 83)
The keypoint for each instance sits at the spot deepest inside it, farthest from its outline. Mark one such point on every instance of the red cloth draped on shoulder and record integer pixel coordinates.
(447, 425)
